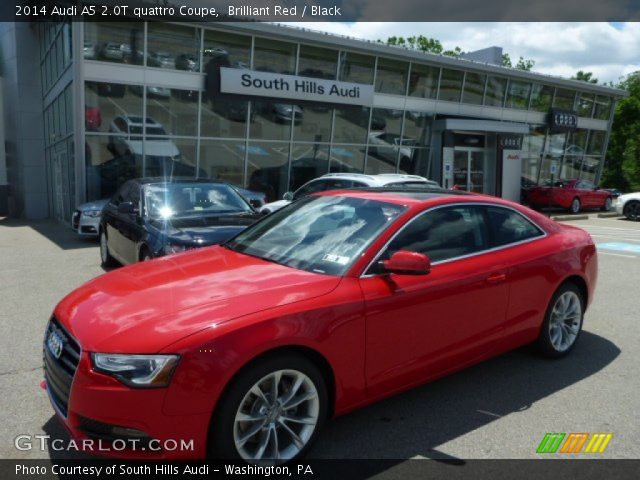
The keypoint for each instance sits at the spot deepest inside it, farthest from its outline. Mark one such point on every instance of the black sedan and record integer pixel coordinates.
(152, 217)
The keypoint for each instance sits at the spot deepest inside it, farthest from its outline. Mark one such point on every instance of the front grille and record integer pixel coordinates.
(75, 219)
(59, 372)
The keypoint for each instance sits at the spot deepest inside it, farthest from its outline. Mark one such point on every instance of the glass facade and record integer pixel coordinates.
(274, 145)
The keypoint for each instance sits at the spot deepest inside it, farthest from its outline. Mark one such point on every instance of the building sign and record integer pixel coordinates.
(562, 120)
(510, 142)
(275, 85)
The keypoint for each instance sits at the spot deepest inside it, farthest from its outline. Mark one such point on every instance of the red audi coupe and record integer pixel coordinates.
(338, 300)
(573, 195)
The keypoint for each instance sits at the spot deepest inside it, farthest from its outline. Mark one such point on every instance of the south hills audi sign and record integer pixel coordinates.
(292, 87)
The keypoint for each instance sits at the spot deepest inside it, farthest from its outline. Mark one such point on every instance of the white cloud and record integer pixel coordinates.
(561, 49)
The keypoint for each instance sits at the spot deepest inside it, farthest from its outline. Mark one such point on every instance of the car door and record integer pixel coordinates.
(131, 228)
(585, 192)
(420, 326)
(113, 223)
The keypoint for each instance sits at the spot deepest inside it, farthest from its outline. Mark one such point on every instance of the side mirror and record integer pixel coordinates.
(255, 203)
(126, 208)
(288, 196)
(404, 262)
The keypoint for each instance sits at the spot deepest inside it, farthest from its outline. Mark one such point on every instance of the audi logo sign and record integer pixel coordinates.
(562, 120)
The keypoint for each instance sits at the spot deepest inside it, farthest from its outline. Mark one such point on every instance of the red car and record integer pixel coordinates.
(336, 301)
(574, 195)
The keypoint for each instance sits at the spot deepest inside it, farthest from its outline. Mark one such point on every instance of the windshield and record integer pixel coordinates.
(167, 200)
(318, 234)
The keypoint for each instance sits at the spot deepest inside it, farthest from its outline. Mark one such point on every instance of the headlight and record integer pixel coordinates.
(170, 248)
(143, 371)
(91, 213)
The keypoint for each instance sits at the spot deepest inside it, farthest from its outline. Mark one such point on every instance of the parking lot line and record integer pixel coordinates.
(616, 254)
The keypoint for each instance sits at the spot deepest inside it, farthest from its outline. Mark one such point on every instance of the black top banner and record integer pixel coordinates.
(323, 10)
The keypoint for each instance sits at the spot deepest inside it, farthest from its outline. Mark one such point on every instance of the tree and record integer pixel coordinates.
(525, 64)
(585, 77)
(622, 166)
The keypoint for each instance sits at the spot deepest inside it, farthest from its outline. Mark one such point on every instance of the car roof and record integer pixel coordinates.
(151, 180)
(378, 180)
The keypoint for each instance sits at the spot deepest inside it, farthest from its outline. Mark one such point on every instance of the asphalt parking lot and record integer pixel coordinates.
(499, 409)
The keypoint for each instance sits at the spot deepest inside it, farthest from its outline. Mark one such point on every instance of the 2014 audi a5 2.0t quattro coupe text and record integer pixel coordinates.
(331, 303)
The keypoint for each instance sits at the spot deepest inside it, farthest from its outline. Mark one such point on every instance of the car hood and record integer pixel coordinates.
(147, 306)
(629, 196)
(206, 230)
(96, 205)
(273, 206)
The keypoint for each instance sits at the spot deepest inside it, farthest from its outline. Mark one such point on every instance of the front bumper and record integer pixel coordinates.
(98, 403)
(619, 207)
(85, 225)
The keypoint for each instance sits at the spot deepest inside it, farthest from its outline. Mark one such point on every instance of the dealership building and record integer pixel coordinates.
(268, 107)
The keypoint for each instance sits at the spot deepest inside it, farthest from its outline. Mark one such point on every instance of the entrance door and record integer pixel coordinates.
(468, 169)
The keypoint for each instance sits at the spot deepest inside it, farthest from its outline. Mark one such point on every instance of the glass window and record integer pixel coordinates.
(443, 234)
(352, 123)
(268, 168)
(556, 144)
(564, 99)
(222, 160)
(170, 157)
(121, 42)
(173, 46)
(274, 56)
(541, 97)
(603, 108)
(576, 142)
(590, 167)
(450, 85)
(423, 81)
(228, 49)
(68, 98)
(391, 76)
(315, 123)
(584, 104)
(571, 166)
(273, 119)
(417, 128)
(317, 62)
(381, 156)
(308, 161)
(518, 95)
(104, 102)
(347, 158)
(509, 226)
(107, 169)
(356, 68)
(314, 186)
(496, 89)
(596, 142)
(173, 110)
(225, 117)
(473, 88)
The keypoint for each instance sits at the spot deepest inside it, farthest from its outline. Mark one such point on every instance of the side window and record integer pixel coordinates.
(510, 227)
(309, 188)
(444, 233)
(133, 195)
(338, 184)
(120, 195)
(587, 185)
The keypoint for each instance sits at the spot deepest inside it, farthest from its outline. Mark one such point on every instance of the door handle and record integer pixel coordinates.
(496, 277)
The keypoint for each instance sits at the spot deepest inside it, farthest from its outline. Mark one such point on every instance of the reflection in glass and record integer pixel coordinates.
(576, 142)
(222, 160)
(541, 97)
(224, 116)
(473, 88)
(273, 119)
(173, 46)
(173, 109)
(104, 102)
(518, 95)
(423, 81)
(317, 62)
(234, 49)
(391, 76)
(274, 56)
(584, 104)
(121, 42)
(308, 161)
(450, 85)
(316, 124)
(176, 157)
(602, 109)
(356, 68)
(496, 89)
(417, 127)
(596, 142)
(590, 167)
(268, 168)
(571, 166)
(351, 124)
(106, 169)
(556, 144)
(347, 158)
(564, 99)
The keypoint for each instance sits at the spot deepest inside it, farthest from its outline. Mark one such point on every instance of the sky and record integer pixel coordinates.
(609, 50)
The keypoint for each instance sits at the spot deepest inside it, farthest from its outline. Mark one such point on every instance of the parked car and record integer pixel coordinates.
(89, 51)
(615, 193)
(573, 195)
(86, 218)
(285, 112)
(112, 51)
(339, 300)
(151, 217)
(187, 61)
(338, 181)
(126, 137)
(161, 59)
(387, 146)
(92, 118)
(628, 205)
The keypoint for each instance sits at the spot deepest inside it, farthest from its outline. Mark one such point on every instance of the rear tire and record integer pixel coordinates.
(562, 323)
(250, 405)
(106, 259)
(575, 205)
(632, 211)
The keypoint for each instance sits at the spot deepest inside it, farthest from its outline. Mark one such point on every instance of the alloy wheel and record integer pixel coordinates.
(632, 211)
(104, 251)
(277, 417)
(575, 205)
(564, 324)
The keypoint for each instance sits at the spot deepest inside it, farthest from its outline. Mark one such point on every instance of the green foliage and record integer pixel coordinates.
(622, 166)
(585, 77)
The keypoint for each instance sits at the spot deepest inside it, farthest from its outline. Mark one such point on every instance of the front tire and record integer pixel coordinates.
(272, 411)
(575, 205)
(105, 257)
(632, 211)
(563, 322)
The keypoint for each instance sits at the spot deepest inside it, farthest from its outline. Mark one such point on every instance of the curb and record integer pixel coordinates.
(608, 215)
(564, 218)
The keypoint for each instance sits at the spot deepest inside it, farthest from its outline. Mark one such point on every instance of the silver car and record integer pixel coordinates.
(86, 218)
